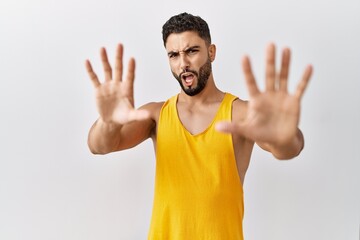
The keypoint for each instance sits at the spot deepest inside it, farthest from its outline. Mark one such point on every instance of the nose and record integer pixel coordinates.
(184, 62)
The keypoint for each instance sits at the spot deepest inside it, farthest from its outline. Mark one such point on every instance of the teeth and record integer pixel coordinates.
(186, 75)
(188, 78)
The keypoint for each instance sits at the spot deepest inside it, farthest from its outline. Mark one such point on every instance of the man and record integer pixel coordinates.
(203, 137)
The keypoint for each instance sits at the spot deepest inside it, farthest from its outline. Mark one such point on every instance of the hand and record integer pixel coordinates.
(115, 96)
(273, 115)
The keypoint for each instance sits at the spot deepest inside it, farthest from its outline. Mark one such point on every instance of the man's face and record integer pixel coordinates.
(189, 60)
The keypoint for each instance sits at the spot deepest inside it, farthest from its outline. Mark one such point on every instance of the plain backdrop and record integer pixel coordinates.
(52, 187)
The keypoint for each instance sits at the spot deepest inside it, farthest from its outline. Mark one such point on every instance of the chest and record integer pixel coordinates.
(196, 119)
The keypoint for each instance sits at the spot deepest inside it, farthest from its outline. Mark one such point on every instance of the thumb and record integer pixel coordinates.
(229, 127)
(138, 115)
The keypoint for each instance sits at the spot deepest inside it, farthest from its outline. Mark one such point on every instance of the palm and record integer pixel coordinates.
(272, 115)
(113, 103)
(115, 96)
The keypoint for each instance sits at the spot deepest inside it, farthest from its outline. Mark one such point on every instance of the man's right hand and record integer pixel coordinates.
(115, 95)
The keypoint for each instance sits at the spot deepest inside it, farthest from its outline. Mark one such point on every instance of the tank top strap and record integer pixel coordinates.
(225, 109)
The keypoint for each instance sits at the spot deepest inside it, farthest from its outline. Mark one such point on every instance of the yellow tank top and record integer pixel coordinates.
(198, 192)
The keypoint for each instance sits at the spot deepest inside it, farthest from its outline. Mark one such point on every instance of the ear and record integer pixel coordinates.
(212, 52)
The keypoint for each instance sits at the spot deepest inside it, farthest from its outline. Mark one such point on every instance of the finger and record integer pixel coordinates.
(304, 82)
(106, 64)
(119, 63)
(270, 68)
(284, 72)
(249, 77)
(130, 76)
(92, 74)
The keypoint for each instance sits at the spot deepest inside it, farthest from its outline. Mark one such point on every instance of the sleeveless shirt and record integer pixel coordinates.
(198, 192)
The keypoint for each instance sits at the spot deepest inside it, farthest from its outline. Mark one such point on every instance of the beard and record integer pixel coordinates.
(202, 77)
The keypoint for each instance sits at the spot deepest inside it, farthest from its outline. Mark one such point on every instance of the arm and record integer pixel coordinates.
(106, 137)
(103, 137)
(120, 125)
(287, 151)
(272, 116)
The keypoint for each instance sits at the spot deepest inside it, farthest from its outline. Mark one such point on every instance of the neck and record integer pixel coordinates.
(209, 94)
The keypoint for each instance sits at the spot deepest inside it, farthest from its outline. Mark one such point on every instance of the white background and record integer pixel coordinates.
(51, 187)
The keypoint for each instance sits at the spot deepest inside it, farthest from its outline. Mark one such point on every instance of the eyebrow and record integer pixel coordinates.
(196, 47)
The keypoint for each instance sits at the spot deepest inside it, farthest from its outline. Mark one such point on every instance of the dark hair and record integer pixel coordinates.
(186, 22)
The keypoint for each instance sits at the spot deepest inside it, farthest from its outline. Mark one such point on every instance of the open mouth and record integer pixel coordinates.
(188, 79)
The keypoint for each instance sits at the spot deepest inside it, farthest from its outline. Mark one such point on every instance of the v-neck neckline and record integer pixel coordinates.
(208, 127)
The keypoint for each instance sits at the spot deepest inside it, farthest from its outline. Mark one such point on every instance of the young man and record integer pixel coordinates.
(203, 137)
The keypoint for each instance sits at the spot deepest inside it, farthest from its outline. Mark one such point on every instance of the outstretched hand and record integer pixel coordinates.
(272, 115)
(115, 95)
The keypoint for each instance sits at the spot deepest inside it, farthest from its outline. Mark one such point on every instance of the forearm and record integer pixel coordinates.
(290, 149)
(103, 137)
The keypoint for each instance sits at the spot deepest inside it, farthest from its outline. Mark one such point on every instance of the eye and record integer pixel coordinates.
(173, 55)
(192, 51)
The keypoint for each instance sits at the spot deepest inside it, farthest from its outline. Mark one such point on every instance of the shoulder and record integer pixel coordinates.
(239, 109)
(153, 108)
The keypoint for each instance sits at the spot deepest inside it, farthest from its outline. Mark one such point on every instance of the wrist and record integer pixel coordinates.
(289, 149)
(108, 124)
